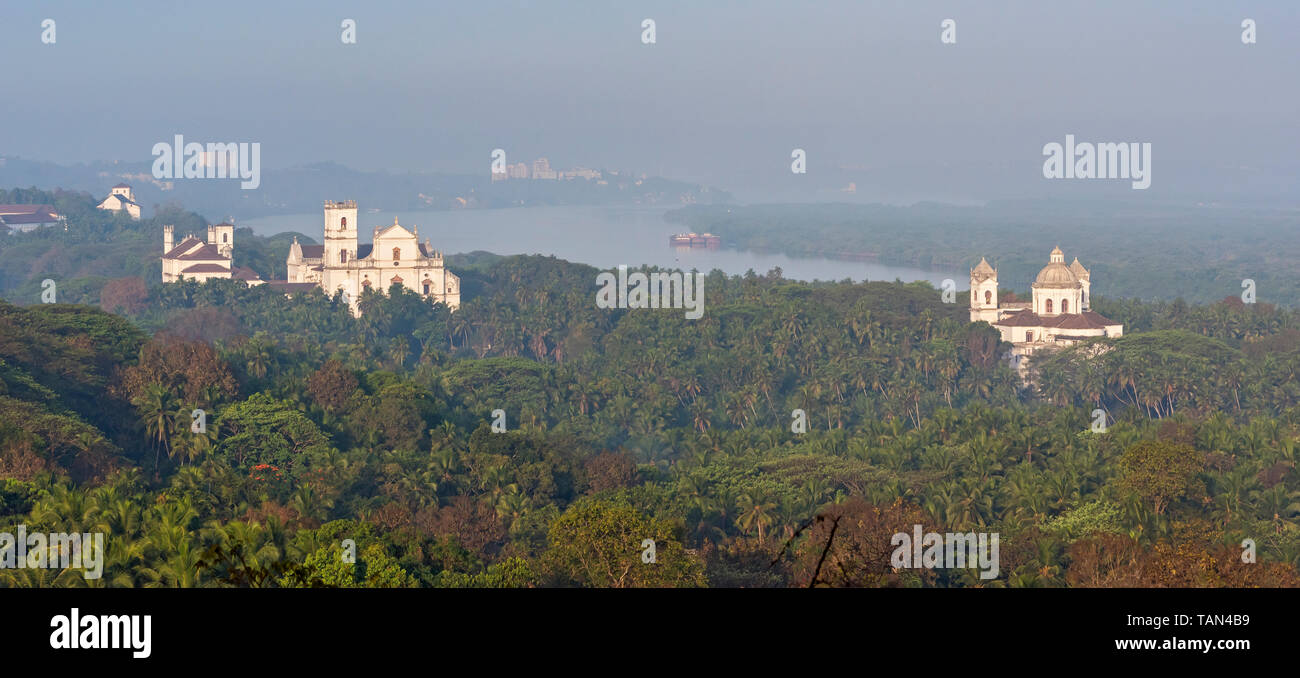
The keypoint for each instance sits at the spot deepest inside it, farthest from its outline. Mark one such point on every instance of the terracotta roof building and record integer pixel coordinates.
(27, 217)
(203, 260)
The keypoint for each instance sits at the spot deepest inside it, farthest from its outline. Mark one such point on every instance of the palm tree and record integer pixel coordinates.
(755, 512)
(398, 350)
(157, 408)
(259, 354)
(187, 444)
(512, 505)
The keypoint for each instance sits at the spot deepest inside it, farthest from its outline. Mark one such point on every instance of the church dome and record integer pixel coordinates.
(1055, 273)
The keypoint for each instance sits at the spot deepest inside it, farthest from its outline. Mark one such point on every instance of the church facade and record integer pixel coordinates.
(395, 257)
(1058, 314)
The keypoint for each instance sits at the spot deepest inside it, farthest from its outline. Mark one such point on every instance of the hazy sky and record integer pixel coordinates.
(728, 90)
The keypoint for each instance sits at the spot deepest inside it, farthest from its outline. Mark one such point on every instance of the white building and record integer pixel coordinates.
(195, 259)
(121, 199)
(28, 217)
(394, 257)
(542, 169)
(1059, 313)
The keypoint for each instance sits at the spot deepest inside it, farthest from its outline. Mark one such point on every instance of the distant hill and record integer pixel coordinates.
(1135, 250)
(302, 189)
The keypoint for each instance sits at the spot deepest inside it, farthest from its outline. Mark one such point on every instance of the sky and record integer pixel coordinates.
(723, 96)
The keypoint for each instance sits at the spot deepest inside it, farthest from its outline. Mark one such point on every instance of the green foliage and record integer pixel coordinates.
(1159, 471)
(630, 425)
(372, 569)
(263, 431)
(1086, 519)
(598, 543)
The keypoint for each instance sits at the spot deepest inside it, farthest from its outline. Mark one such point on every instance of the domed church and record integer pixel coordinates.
(1059, 314)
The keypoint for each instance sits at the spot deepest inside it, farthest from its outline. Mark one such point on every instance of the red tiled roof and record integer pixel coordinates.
(312, 251)
(241, 273)
(120, 198)
(206, 268)
(1098, 318)
(7, 210)
(207, 253)
(184, 245)
(40, 217)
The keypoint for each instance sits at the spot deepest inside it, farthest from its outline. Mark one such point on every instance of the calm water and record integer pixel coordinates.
(600, 236)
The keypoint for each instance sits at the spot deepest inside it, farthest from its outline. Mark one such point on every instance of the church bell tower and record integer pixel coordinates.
(340, 246)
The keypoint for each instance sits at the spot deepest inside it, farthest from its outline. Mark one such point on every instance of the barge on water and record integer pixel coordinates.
(694, 240)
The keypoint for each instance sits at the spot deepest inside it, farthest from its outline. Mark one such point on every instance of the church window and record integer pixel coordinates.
(1065, 306)
(343, 256)
(1048, 308)
(427, 285)
(988, 297)
(225, 237)
(343, 223)
(1029, 335)
(397, 254)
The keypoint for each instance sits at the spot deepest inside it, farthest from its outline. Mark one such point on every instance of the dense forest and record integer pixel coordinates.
(533, 439)
(1198, 254)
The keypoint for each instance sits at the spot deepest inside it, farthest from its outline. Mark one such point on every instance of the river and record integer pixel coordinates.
(597, 235)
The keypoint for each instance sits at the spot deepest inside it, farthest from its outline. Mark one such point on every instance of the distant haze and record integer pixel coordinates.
(728, 90)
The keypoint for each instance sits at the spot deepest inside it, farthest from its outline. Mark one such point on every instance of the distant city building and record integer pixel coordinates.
(28, 217)
(1060, 313)
(394, 257)
(542, 169)
(580, 173)
(121, 199)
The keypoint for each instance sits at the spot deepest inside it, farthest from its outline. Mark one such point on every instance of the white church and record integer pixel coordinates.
(1058, 315)
(395, 257)
(200, 260)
